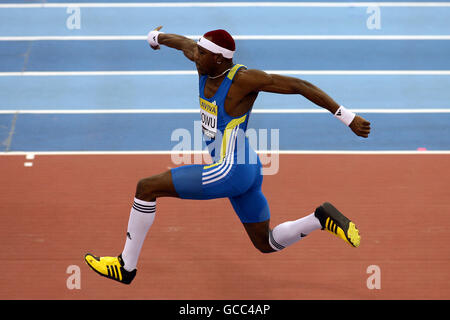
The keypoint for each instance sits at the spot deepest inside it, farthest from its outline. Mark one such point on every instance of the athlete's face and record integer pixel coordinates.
(206, 61)
(203, 60)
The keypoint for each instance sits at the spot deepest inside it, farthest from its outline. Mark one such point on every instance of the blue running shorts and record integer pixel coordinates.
(241, 183)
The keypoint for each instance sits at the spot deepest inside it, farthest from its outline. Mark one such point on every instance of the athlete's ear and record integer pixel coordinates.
(219, 58)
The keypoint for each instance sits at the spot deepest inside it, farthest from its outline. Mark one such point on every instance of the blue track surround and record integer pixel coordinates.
(152, 131)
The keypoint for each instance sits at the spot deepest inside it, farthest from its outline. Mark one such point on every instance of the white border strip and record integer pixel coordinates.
(225, 4)
(98, 73)
(172, 111)
(193, 72)
(236, 37)
(281, 152)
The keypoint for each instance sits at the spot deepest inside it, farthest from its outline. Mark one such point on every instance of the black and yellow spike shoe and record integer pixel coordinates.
(110, 267)
(336, 223)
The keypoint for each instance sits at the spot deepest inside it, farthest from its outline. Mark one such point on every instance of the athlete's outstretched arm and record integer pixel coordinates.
(175, 41)
(258, 80)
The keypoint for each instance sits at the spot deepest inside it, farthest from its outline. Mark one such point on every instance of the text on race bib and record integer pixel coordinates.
(208, 112)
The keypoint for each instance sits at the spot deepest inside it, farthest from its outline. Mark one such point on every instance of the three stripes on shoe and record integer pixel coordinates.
(331, 225)
(114, 272)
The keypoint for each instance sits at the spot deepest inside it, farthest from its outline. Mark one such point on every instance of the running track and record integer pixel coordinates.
(85, 113)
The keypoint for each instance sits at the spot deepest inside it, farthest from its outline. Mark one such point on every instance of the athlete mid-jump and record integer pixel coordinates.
(227, 94)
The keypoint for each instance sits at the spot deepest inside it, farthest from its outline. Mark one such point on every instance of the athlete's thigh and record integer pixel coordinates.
(189, 183)
(251, 206)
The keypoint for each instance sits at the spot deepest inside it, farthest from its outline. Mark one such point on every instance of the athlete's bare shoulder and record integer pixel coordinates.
(252, 79)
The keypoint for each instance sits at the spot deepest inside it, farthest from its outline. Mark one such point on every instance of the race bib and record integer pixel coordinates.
(208, 112)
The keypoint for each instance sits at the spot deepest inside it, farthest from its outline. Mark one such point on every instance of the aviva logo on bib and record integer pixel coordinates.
(209, 107)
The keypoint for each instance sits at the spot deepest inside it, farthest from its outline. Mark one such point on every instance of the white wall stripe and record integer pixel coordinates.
(193, 72)
(226, 4)
(97, 73)
(281, 152)
(172, 111)
(236, 37)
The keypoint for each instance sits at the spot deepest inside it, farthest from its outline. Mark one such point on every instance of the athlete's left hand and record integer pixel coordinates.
(157, 47)
(360, 126)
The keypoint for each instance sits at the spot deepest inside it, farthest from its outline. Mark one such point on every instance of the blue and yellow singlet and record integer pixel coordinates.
(224, 135)
(236, 169)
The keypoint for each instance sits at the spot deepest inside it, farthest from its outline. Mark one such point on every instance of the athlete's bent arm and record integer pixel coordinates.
(175, 41)
(257, 80)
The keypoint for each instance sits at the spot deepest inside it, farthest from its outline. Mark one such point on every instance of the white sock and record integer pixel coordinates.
(141, 219)
(289, 232)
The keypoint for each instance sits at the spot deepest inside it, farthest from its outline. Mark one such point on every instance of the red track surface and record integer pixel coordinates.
(64, 206)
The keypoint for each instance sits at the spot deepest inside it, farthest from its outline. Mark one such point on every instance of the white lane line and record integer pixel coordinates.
(281, 152)
(184, 111)
(236, 37)
(226, 4)
(99, 73)
(193, 72)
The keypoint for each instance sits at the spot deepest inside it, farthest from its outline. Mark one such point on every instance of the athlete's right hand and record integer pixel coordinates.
(148, 37)
(360, 126)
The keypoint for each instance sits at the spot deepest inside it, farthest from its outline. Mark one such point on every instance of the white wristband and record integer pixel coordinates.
(346, 116)
(152, 38)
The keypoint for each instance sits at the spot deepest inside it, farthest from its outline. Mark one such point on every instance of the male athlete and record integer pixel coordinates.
(227, 93)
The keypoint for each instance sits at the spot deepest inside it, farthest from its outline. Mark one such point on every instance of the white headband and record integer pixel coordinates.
(214, 48)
